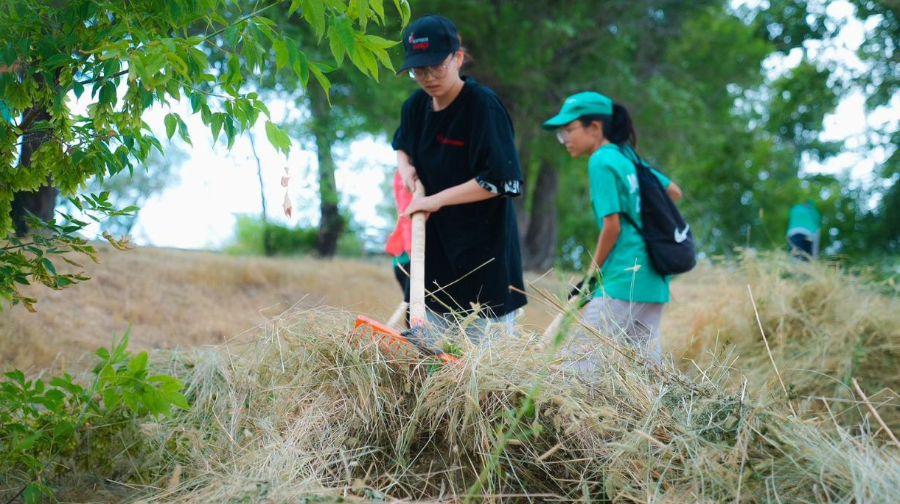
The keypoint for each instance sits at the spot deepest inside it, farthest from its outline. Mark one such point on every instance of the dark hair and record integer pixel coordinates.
(466, 56)
(617, 128)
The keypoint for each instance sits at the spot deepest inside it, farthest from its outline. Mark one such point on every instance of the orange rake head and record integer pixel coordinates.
(407, 343)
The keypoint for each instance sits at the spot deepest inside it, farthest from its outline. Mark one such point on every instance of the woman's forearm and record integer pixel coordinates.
(403, 160)
(611, 229)
(467, 192)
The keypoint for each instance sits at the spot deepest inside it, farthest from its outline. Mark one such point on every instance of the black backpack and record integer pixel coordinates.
(670, 243)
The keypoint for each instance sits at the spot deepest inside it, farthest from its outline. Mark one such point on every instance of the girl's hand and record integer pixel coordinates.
(426, 204)
(409, 176)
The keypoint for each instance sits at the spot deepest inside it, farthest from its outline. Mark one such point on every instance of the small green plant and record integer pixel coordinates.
(50, 427)
(453, 349)
(283, 240)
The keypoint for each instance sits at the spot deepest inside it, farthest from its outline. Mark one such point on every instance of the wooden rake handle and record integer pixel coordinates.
(553, 328)
(417, 265)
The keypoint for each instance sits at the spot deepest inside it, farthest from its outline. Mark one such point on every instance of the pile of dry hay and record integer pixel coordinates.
(306, 412)
(824, 328)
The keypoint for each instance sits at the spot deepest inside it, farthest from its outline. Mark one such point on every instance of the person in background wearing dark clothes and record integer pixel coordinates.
(804, 230)
(457, 138)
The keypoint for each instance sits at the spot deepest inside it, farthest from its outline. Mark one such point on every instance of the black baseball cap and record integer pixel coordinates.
(428, 41)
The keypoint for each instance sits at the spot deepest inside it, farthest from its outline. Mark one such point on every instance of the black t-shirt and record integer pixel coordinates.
(471, 250)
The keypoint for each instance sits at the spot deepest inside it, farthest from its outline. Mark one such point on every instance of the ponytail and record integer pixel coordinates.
(617, 128)
(622, 130)
(466, 55)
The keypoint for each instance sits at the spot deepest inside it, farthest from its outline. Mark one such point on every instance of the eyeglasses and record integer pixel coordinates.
(436, 71)
(563, 134)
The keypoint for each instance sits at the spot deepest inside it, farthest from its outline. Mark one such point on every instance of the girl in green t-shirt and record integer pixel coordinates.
(632, 296)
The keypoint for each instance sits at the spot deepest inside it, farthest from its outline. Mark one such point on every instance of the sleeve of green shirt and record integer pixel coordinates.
(604, 190)
(665, 181)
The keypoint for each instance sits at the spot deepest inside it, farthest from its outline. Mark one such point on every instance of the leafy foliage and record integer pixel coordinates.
(125, 58)
(881, 85)
(50, 427)
(287, 240)
(30, 261)
(283, 239)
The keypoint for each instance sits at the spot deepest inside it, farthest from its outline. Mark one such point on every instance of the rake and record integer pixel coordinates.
(409, 343)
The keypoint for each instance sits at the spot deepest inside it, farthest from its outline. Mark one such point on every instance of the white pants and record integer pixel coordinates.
(635, 324)
(477, 330)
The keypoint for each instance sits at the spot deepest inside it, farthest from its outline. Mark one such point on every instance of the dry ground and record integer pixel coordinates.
(173, 298)
(750, 418)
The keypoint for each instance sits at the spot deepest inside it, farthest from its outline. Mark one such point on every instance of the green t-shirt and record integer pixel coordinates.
(627, 273)
(400, 259)
(804, 218)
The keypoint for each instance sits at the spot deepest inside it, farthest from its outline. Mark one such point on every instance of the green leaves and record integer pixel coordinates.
(278, 138)
(314, 14)
(403, 9)
(319, 74)
(171, 122)
(122, 62)
(340, 38)
(282, 55)
(29, 260)
(40, 424)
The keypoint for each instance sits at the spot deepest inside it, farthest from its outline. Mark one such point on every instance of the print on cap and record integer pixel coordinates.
(418, 44)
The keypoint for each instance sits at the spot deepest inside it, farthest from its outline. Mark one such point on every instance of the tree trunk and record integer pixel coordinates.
(267, 232)
(540, 241)
(331, 224)
(520, 204)
(42, 202)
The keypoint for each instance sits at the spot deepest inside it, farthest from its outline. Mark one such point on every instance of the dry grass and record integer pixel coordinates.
(175, 298)
(298, 408)
(824, 328)
(308, 411)
(182, 298)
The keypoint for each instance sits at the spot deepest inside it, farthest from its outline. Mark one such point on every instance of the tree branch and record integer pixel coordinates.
(98, 79)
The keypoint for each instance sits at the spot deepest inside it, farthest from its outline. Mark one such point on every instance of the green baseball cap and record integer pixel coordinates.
(577, 105)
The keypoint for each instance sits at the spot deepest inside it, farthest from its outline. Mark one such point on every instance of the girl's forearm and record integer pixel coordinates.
(467, 192)
(403, 159)
(606, 242)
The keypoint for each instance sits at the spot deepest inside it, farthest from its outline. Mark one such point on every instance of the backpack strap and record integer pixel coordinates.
(631, 221)
(632, 156)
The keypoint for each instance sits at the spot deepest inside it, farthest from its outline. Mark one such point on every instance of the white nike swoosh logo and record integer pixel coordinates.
(680, 236)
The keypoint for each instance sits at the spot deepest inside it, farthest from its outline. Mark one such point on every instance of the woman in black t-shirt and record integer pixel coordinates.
(457, 138)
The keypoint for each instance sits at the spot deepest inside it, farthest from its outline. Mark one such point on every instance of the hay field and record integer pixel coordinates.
(176, 298)
(181, 299)
(295, 408)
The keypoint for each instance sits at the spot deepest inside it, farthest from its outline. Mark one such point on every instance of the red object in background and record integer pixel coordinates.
(400, 240)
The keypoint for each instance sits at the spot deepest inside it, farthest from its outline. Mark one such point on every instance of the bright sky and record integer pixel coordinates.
(216, 184)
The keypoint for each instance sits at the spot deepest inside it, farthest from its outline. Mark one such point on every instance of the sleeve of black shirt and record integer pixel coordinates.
(495, 161)
(402, 139)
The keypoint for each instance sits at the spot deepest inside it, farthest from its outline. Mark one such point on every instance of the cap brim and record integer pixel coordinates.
(423, 60)
(559, 120)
